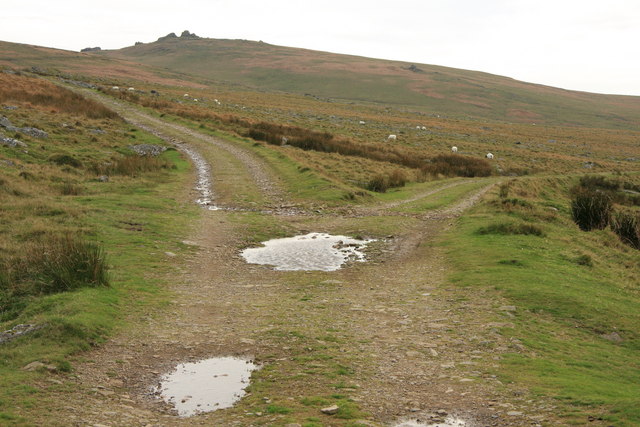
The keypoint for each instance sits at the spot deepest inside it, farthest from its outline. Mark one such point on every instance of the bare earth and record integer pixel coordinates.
(412, 344)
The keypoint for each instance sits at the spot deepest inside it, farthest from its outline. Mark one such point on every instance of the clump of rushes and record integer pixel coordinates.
(626, 225)
(456, 165)
(591, 209)
(512, 228)
(132, 165)
(51, 265)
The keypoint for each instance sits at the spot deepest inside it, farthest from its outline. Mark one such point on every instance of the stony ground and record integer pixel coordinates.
(413, 346)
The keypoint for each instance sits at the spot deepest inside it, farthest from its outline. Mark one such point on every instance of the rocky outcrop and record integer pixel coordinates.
(168, 37)
(91, 49)
(31, 131)
(187, 35)
(11, 142)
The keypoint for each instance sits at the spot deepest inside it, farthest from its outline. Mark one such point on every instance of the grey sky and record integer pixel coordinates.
(574, 44)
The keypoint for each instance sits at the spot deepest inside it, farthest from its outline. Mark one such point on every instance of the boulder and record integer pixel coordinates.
(331, 410)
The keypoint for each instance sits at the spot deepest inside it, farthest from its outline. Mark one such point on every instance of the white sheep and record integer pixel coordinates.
(454, 149)
(115, 88)
(418, 127)
(186, 95)
(423, 128)
(362, 122)
(131, 89)
(489, 156)
(392, 138)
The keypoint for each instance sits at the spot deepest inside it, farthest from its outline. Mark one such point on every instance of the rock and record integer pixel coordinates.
(97, 131)
(413, 353)
(33, 366)
(31, 131)
(330, 410)
(91, 49)
(442, 412)
(148, 149)
(13, 143)
(514, 413)
(170, 254)
(187, 35)
(103, 178)
(17, 331)
(6, 123)
(34, 132)
(9, 107)
(508, 308)
(613, 337)
(247, 341)
(293, 425)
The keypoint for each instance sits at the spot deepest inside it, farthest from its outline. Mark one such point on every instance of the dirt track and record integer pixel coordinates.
(412, 345)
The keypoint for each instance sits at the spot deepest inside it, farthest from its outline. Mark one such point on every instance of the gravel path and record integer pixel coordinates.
(413, 347)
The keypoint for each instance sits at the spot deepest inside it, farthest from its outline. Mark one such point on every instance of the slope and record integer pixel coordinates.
(436, 89)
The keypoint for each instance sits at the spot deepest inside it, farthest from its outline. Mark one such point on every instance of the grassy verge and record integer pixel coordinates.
(124, 215)
(577, 296)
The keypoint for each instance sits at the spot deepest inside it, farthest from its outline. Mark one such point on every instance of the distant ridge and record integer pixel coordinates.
(442, 90)
(189, 60)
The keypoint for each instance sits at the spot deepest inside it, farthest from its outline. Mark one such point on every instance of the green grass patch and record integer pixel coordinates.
(55, 251)
(572, 290)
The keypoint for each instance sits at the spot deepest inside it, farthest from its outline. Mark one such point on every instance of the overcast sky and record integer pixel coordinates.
(574, 44)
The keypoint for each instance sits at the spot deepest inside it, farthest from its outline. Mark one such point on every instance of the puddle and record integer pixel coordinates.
(205, 386)
(203, 185)
(314, 251)
(447, 422)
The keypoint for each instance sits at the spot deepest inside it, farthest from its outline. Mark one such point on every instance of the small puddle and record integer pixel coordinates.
(447, 422)
(205, 386)
(203, 171)
(313, 251)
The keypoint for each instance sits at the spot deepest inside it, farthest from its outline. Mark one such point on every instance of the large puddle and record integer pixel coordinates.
(207, 385)
(313, 251)
(450, 421)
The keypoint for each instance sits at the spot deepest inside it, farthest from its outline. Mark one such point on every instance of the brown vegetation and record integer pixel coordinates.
(39, 93)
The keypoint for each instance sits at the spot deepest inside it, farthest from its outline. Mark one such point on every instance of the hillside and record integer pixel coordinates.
(435, 89)
(482, 299)
(83, 65)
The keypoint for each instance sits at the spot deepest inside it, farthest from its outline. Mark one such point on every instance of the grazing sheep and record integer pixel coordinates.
(115, 88)
(362, 122)
(454, 149)
(423, 128)
(417, 127)
(186, 95)
(489, 156)
(392, 138)
(131, 89)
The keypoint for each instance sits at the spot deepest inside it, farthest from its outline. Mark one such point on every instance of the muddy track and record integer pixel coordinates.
(181, 136)
(414, 346)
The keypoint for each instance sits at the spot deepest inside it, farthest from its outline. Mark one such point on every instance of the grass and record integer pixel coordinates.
(57, 243)
(571, 289)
